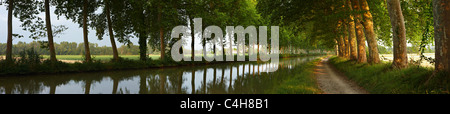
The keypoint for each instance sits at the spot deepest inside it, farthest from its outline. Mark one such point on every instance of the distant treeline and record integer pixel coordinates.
(69, 48)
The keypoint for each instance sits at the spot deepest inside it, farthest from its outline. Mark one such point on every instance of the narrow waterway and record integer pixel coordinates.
(230, 78)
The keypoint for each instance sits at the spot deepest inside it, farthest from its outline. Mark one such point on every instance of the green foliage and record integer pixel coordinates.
(29, 57)
(70, 48)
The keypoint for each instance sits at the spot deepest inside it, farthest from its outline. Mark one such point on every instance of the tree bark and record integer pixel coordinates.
(341, 46)
(161, 34)
(441, 16)
(111, 34)
(85, 33)
(373, 58)
(51, 46)
(193, 38)
(346, 42)
(361, 41)
(399, 34)
(142, 46)
(9, 39)
(352, 34)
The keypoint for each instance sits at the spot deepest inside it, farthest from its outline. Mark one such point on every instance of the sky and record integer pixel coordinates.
(74, 33)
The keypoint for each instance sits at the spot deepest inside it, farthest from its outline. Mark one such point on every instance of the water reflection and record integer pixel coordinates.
(232, 78)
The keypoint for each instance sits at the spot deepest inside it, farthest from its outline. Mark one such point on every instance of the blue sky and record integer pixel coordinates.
(73, 34)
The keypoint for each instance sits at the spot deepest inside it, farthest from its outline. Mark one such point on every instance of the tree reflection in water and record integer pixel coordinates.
(243, 78)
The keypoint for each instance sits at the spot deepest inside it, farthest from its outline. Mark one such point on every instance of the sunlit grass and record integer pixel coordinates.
(382, 79)
(301, 82)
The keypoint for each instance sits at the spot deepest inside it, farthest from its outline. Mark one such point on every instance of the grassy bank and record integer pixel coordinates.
(98, 57)
(32, 64)
(382, 79)
(301, 81)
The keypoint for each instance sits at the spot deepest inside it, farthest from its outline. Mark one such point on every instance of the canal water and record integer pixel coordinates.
(228, 78)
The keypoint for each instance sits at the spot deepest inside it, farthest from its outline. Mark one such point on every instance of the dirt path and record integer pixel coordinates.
(331, 82)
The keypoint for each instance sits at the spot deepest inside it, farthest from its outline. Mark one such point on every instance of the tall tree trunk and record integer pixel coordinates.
(111, 34)
(85, 33)
(399, 34)
(346, 42)
(142, 46)
(441, 16)
(352, 34)
(370, 34)
(48, 24)
(361, 41)
(161, 34)
(9, 40)
(337, 48)
(193, 38)
(341, 46)
(447, 32)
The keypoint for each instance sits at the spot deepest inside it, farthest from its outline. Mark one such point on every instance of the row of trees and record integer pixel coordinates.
(150, 21)
(348, 25)
(71, 48)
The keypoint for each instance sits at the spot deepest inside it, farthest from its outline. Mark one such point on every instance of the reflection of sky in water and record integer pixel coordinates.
(71, 88)
(105, 86)
(130, 86)
(130, 83)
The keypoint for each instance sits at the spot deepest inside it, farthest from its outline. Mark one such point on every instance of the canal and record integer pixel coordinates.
(228, 78)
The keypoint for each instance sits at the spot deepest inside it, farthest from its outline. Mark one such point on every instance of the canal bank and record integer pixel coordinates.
(226, 78)
(31, 66)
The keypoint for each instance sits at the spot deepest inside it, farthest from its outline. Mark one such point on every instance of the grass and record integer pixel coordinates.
(382, 79)
(99, 63)
(302, 80)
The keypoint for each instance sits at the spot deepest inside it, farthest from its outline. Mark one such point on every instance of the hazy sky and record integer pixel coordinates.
(73, 34)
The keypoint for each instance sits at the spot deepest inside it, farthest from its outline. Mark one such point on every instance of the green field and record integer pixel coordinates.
(98, 57)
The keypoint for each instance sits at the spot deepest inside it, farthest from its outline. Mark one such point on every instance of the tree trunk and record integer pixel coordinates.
(9, 40)
(370, 34)
(361, 41)
(399, 34)
(161, 34)
(85, 33)
(341, 46)
(346, 42)
(193, 38)
(111, 34)
(51, 46)
(447, 32)
(441, 16)
(142, 46)
(352, 35)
